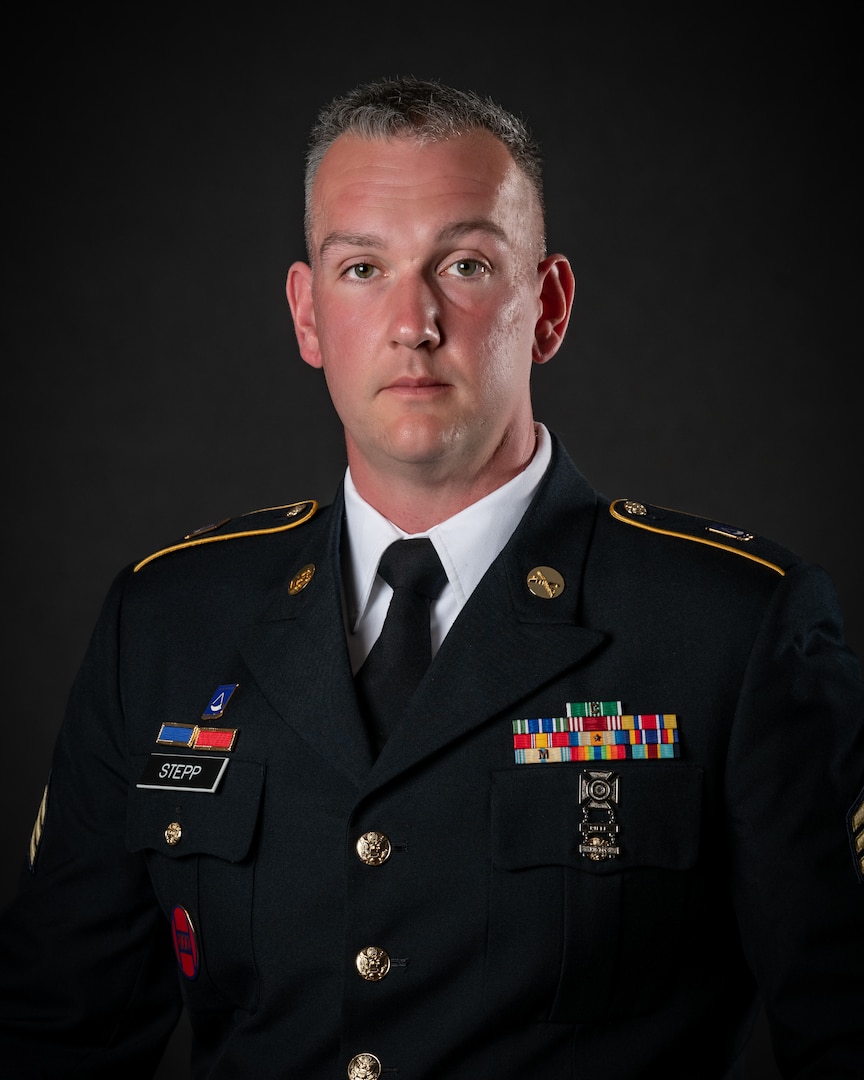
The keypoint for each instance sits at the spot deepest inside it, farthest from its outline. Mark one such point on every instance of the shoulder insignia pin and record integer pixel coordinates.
(274, 519)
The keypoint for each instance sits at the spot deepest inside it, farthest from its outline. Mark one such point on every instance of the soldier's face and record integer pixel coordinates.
(423, 299)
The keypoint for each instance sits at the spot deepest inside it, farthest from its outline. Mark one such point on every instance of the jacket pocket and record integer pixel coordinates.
(200, 849)
(573, 936)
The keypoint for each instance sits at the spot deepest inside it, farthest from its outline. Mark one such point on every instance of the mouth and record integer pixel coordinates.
(416, 386)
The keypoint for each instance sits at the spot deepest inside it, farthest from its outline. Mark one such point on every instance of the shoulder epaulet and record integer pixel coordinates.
(659, 519)
(256, 523)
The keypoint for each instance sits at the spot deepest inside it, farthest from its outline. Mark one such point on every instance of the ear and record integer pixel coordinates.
(298, 289)
(557, 289)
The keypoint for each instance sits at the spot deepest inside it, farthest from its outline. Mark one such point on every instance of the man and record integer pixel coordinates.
(624, 801)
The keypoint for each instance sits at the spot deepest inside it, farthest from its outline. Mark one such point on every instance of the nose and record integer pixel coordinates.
(414, 313)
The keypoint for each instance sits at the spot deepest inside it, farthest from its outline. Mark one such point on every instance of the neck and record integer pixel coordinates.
(415, 497)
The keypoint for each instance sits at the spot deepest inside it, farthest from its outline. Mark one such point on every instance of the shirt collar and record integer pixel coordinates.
(467, 543)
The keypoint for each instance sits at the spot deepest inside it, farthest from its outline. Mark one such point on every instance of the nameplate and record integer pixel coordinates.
(183, 772)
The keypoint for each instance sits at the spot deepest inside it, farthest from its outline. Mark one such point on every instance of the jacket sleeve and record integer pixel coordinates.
(795, 774)
(88, 983)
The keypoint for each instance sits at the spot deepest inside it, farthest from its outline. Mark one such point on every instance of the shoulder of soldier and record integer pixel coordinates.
(664, 522)
(273, 519)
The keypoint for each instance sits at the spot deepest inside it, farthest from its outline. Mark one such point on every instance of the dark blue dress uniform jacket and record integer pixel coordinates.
(512, 955)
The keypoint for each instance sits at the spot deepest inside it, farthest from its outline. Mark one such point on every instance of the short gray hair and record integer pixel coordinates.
(425, 110)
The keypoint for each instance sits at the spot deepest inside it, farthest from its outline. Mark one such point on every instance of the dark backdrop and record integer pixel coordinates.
(701, 175)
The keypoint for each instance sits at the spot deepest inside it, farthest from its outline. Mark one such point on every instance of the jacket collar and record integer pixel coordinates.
(505, 643)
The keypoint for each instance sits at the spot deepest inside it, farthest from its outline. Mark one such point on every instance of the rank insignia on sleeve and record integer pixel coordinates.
(855, 824)
(592, 732)
(36, 834)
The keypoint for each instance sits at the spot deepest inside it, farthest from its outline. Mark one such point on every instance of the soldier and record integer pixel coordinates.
(473, 773)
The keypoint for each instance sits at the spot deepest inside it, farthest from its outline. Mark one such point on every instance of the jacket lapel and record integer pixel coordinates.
(507, 642)
(298, 656)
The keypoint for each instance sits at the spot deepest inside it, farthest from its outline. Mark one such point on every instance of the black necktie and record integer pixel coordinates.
(389, 676)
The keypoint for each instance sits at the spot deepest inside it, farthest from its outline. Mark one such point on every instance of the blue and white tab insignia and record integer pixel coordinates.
(219, 701)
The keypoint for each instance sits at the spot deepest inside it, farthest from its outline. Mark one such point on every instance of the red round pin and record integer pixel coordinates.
(185, 945)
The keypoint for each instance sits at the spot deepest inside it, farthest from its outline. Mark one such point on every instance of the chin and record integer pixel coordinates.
(423, 441)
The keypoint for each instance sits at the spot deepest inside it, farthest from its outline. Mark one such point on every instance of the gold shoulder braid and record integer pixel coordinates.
(659, 519)
(274, 519)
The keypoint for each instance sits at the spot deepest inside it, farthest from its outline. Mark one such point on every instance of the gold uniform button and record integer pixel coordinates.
(364, 1067)
(372, 963)
(173, 832)
(373, 848)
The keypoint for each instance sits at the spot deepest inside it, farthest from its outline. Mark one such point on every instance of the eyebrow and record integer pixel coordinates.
(372, 242)
(346, 239)
(458, 229)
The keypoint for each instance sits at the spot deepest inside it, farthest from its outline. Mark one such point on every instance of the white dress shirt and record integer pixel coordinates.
(467, 544)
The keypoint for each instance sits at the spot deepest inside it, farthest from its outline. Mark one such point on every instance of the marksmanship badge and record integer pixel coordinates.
(598, 799)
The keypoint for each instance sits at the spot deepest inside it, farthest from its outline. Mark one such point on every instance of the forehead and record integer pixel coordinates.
(367, 183)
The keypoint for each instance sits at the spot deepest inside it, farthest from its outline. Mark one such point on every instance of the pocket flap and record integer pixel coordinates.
(179, 823)
(536, 814)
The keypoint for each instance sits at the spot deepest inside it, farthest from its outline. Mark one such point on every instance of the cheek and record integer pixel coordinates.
(348, 369)
(506, 347)
(349, 331)
(343, 382)
(510, 317)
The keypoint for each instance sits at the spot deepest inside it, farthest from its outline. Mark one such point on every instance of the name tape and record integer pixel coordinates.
(183, 772)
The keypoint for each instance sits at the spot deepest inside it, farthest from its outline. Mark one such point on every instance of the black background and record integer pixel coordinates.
(701, 175)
